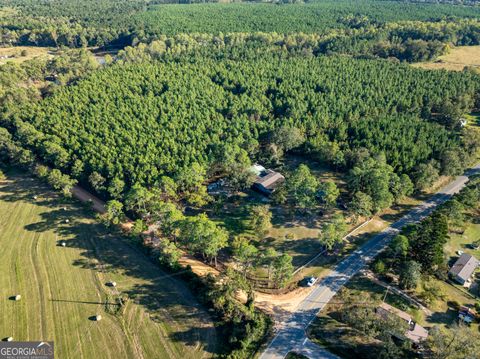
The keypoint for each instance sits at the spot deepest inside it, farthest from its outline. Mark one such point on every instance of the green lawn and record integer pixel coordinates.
(363, 288)
(463, 241)
(19, 54)
(62, 287)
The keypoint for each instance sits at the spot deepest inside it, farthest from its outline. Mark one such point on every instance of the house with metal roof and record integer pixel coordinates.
(267, 180)
(463, 269)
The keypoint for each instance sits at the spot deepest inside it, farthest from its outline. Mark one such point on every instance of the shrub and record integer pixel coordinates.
(379, 267)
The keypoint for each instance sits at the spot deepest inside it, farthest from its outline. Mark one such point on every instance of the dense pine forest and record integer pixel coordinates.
(383, 28)
(137, 122)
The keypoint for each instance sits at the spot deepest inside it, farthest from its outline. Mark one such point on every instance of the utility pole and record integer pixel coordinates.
(385, 296)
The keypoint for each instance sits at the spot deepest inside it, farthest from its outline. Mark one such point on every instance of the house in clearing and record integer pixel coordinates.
(267, 180)
(416, 333)
(462, 270)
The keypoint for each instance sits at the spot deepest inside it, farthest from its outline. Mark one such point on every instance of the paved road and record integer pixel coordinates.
(291, 336)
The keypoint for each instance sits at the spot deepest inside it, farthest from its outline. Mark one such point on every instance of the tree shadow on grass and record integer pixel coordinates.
(446, 318)
(190, 337)
(165, 298)
(343, 340)
(400, 210)
(25, 189)
(291, 218)
(302, 250)
(474, 219)
(362, 284)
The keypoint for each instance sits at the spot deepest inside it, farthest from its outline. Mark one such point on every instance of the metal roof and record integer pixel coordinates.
(270, 180)
(464, 266)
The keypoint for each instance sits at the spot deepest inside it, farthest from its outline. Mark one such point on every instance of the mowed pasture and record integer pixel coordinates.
(63, 287)
(456, 60)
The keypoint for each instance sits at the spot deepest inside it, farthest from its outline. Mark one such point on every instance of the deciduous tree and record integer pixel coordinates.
(302, 187)
(260, 219)
(410, 275)
(332, 232)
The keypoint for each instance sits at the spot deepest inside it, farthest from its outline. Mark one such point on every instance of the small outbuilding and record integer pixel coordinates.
(466, 315)
(463, 269)
(258, 170)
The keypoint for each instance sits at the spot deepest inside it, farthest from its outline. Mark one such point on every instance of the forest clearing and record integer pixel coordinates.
(19, 54)
(455, 60)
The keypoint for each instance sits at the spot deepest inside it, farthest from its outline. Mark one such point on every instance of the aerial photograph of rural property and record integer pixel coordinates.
(239, 179)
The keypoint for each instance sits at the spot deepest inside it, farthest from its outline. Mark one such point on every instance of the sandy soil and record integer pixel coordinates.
(199, 268)
(84, 196)
(281, 306)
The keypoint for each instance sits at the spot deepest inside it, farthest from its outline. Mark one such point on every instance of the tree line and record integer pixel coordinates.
(406, 31)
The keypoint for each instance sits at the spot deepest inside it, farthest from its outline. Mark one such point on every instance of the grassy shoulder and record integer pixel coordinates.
(62, 287)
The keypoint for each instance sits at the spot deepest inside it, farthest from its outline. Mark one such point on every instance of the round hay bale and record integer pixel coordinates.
(63, 243)
(67, 221)
(18, 297)
(64, 208)
(35, 197)
(98, 318)
(9, 339)
(112, 284)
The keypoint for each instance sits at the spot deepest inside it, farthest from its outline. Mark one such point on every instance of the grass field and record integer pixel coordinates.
(455, 60)
(19, 54)
(463, 241)
(63, 287)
